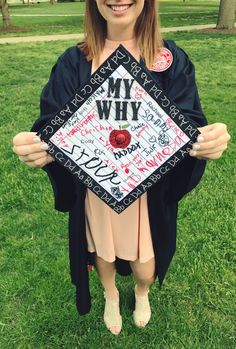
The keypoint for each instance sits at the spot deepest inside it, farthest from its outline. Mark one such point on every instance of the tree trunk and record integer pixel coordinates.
(226, 17)
(5, 14)
(52, 2)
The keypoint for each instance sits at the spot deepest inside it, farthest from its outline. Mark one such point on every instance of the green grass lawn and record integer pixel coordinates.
(195, 308)
(173, 13)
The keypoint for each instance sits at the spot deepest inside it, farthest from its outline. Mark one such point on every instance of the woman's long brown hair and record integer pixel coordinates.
(147, 32)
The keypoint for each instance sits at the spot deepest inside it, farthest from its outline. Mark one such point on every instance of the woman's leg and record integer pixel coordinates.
(143, 274)
(107, 274)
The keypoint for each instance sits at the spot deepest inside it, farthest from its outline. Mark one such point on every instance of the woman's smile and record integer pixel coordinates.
(118, 9)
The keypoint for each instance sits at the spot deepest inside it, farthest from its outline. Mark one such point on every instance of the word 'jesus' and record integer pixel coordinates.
(118, 89)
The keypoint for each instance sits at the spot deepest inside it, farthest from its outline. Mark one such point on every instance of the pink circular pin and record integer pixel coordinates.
(164, 61)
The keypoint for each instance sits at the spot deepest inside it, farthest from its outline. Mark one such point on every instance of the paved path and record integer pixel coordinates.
(15, 40)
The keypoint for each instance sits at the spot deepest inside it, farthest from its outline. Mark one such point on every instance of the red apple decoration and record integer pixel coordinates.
(120, 138)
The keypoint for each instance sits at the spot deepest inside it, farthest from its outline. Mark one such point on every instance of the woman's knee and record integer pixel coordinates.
(143, 271)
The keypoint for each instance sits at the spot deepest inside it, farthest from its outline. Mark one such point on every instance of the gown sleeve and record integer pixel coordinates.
(62, 83)
(182, 90)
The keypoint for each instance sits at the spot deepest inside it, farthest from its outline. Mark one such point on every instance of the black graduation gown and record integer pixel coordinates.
(178, 82)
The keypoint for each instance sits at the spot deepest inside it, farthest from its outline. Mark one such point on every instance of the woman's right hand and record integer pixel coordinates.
(30, 149)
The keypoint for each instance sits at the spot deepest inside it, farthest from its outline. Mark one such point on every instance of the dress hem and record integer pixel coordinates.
(130, 259)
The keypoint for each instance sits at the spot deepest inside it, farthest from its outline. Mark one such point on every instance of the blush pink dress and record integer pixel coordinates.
(126, 235)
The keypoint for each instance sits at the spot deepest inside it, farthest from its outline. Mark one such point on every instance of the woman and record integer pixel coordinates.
(96, 233)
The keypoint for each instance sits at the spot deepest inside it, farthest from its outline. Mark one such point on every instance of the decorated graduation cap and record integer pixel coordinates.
(119, 133)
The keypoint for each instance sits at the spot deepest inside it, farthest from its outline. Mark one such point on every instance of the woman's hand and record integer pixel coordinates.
(31, 150)
(211, 143)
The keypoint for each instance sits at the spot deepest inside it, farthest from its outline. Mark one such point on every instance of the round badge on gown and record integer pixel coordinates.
(164, 61)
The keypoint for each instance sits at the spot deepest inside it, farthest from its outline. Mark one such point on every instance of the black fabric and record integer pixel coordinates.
(178, 82)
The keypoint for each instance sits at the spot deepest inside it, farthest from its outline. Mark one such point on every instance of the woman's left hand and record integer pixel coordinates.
(211, 143)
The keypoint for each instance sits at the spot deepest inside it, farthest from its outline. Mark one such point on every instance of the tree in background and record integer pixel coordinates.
(5, 14)
(226, 17)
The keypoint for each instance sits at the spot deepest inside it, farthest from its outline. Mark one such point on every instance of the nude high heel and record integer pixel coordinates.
(112, 317)
(142, 312)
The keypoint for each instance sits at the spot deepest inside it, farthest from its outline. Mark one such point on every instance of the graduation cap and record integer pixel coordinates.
(119, 133)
